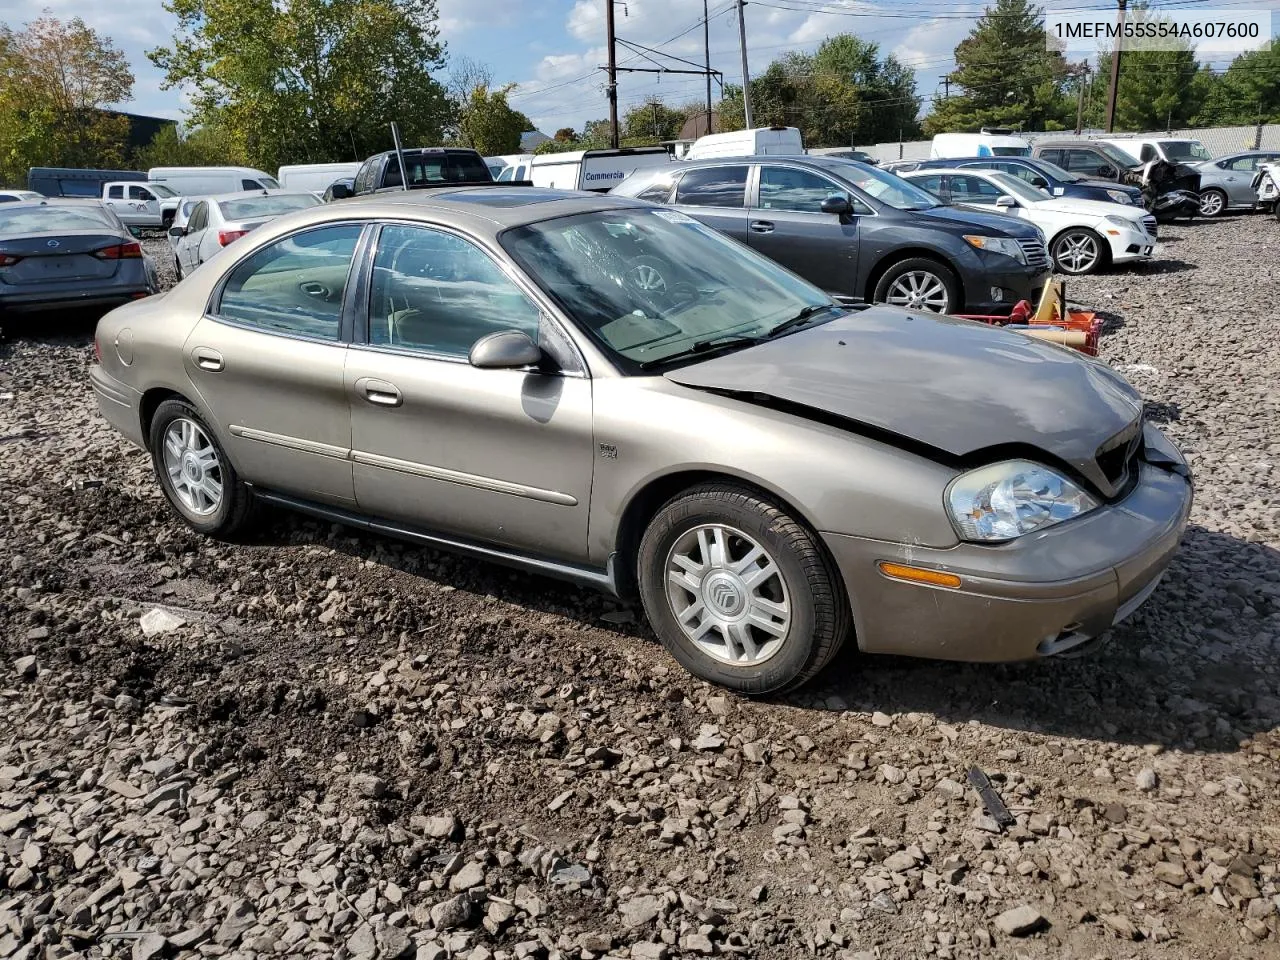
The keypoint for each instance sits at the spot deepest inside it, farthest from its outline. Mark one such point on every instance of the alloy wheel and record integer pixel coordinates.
(1211, 203)
(192, 464)
(919, 290)
(728, 594)
(1077, 252)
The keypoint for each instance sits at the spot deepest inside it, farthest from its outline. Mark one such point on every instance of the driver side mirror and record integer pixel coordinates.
(505, 350)
(837, 205)
(177, 231)
(340, 191)
(1106, 170)
(1040, 183)
(1006, 201)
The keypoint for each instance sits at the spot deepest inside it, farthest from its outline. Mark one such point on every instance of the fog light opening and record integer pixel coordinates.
(997, 294)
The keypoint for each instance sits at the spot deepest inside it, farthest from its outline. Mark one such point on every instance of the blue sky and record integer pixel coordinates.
(552, 48)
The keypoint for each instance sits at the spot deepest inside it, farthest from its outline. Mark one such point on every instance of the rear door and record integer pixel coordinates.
(117, 199)
(267, 362)
(787, 225)
(717, 196)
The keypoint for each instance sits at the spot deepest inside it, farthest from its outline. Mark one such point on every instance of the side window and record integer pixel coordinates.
(786, 188)
(1245, 163)
(973, 189)
(115, 193)
(1083, 161)
(1053, 156)
(1022, 173)
(199, 218)
(295, 285)
(363, 176)
(713, 187)
(1148, 153)
(508, 173)
(139, 193)
(657, 192)
(932, 183)
(438, 293)
(247, 184)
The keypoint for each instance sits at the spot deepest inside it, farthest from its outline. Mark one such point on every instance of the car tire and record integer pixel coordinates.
(177, 267)
(796, 590)
(1078, 251)
(195, 474)
(1213, 203)
(913, 283)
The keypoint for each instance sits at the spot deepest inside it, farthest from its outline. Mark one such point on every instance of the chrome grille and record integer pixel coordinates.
(1150, 223)
(1036, 253)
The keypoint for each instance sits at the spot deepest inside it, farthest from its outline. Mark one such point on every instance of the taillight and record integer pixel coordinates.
(121, 251)
(97, 349)
(229, 236)
(8, 261)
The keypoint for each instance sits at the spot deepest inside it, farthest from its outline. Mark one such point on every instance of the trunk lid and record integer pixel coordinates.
(962, 388)
(46, 258)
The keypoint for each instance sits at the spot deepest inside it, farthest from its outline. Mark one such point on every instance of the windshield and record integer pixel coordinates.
(1056, 172)
(1018, 188)
(650, 284)
(252, 207)
(1115, 155)
(887, 187)
(1180, 151)
(1011, 151)
(54, 220)
(160, 190)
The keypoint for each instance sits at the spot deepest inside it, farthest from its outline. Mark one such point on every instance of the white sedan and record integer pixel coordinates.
(1083, 235)
(215, 222)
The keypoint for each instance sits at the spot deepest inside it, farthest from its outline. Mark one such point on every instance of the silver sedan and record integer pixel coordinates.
(1227, 183)
(215, 222)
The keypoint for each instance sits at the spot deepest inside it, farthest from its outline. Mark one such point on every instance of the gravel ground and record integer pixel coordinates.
(341, 746)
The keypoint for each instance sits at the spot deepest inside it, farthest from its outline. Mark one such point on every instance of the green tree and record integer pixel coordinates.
(292, 81)
(201, 147)
(1247, 92)
(1005, 76)
(486, 122)
(652, 121)
(1159, 89)
(566, 135)
(56, 78)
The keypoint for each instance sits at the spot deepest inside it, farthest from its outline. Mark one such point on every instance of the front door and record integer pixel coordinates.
(498, 456)
(144, 207)
(268, 365)
(787, 225)
(189, 242)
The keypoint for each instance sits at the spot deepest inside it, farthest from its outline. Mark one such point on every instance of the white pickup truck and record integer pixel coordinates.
(141, 204)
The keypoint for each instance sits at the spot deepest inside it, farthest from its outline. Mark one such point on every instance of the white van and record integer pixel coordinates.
(953, 146)
(759, 141)
(1171, 149)
(598, 170)
(512, 166)
(210, 181)
(314, 177)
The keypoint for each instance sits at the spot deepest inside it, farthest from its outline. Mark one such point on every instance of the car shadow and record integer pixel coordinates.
(70, 327)
(1191, 670)
(1163, 266)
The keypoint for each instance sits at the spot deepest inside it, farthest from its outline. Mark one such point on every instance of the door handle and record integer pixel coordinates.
(207, 359)
(761, 226)
(380, 392)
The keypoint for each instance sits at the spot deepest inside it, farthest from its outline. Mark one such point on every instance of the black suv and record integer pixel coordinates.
(424, 167)
(1092, 158)
(1047, 176)
(857, 231)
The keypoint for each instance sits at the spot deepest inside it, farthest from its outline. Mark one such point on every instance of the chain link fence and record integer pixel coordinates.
(1217, 140)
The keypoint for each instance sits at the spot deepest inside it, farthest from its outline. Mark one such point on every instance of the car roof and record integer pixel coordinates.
(58, 202)
(498, 207)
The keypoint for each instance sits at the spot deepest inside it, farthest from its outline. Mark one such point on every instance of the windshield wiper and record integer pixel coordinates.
(802, 317)
(723, 342)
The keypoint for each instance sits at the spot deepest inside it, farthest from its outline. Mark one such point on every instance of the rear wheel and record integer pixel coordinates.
(197, 478)
(739, 592)
(1212, 203)
(919, 284)
(1078, 251)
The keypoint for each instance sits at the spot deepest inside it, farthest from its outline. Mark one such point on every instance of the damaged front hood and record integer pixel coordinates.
(957, 386)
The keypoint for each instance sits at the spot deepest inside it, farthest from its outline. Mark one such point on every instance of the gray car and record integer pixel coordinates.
(1227, 182)
(57, 254)
(771, 473)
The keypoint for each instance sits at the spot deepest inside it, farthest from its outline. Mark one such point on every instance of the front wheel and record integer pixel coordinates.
(197, 478)
(1078, 251)
(1212, 203)
(739, 592)
(919, 284)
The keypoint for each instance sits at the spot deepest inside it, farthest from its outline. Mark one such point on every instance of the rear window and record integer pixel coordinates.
(1184, 151)
(437, 168)
(252, 207)
(1011, 151)
(54, 220)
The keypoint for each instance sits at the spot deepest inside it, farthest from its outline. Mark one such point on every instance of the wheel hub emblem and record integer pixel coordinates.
(191, 468)
(725, 596)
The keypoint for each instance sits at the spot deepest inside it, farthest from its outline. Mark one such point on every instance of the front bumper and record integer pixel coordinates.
(1041, 595)
(1025, 284)
(1128, 245)
(119, 403)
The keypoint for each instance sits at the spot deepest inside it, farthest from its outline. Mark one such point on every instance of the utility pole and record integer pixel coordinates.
(1115, 66)
(946, 87)
(1082, 75)
(613, 75)
(746, 76)
(706, 44)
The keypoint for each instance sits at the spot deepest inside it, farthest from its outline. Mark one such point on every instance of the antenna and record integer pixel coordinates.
(395, 138)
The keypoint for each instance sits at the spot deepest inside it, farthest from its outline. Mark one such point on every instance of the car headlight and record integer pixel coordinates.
(1123, 222)
(1119, 196)
(1004, 245)
(1010, 499)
